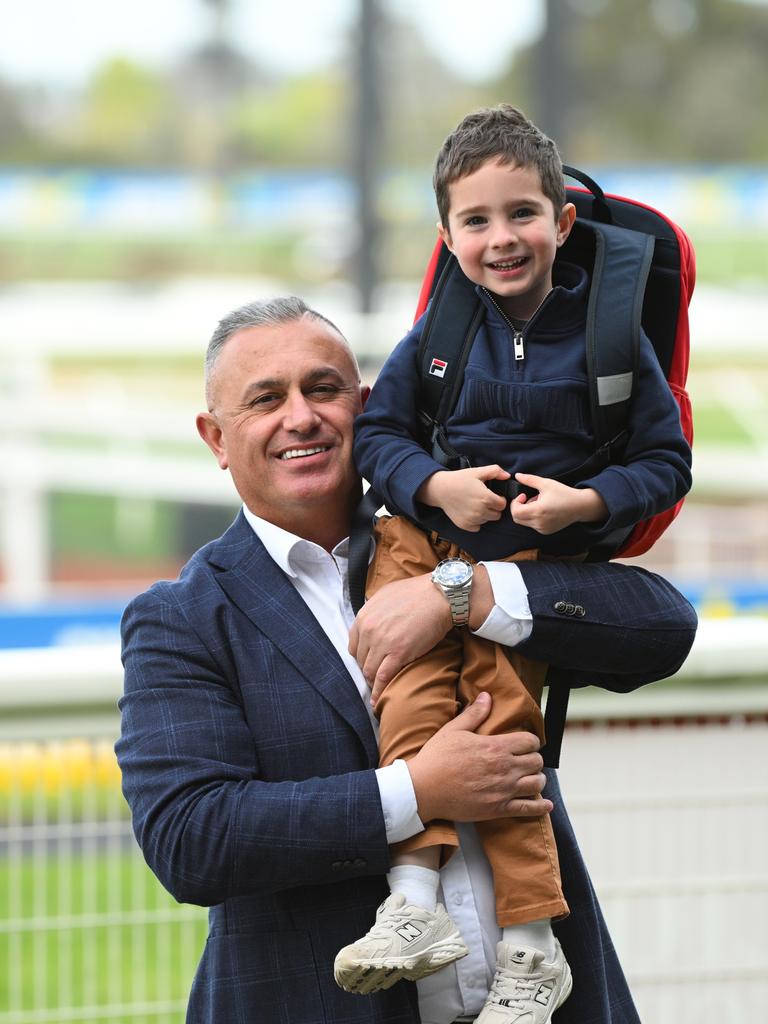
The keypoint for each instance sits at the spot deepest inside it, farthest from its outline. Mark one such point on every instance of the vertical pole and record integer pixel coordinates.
(553, 74)
(367, 131)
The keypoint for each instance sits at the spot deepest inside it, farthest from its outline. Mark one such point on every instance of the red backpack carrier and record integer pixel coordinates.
(642, 271)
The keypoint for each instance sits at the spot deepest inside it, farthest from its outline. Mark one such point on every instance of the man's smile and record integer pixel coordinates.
(301, 453)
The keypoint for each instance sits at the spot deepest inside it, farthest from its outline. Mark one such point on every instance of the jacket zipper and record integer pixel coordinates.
(518, 339)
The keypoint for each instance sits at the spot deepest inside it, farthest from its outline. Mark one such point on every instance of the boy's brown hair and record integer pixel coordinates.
(503, 133)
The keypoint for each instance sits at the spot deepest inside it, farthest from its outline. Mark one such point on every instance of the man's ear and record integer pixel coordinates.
(364, 394)
(210, 431)
(445, 235)
(565, 222)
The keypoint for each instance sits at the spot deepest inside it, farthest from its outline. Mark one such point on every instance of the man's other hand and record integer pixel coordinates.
(461, 776)
(404, 620)
(399, 623)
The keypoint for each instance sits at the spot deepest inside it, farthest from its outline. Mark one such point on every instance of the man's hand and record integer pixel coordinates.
(404, 620)
(463, 496)
(556, 505)
(460, 776)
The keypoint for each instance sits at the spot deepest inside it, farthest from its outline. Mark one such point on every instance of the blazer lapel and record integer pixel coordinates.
(262, 591)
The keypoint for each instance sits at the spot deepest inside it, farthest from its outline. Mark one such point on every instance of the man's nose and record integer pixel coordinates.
(300, 415)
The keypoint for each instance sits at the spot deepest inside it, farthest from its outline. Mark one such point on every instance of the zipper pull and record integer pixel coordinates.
(519, 348)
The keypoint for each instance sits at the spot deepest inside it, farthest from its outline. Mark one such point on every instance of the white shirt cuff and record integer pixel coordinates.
(510, 620)
(398, 802)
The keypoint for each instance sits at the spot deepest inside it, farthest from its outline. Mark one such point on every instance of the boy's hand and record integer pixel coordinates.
(463, 496)
(556, 505)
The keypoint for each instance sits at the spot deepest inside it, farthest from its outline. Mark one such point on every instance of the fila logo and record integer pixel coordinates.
(409, 931)
(438, 367)
(542, 996)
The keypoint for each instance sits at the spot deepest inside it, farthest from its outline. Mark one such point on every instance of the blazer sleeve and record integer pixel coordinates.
(209, 826)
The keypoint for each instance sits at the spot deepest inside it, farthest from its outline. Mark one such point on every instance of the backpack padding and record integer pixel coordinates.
(449, 328)
(613, 325)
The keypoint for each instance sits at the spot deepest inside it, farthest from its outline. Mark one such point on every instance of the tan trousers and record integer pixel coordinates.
(428, 693)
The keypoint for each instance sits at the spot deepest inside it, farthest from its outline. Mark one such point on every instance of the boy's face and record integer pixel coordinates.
(502, 230)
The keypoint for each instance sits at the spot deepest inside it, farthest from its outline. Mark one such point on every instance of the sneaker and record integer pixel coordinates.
(405, 942)
(526, 988)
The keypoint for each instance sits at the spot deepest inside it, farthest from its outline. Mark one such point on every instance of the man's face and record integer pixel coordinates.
(502, 230)
(284, 400)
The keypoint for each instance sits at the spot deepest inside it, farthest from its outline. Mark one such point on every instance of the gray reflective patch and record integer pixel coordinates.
(616, 388)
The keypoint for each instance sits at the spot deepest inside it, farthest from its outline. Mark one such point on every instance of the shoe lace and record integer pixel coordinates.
(515, 991)
(383, 928)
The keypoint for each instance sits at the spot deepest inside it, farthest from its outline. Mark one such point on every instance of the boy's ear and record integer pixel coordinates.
(565, 222)
(445, 235)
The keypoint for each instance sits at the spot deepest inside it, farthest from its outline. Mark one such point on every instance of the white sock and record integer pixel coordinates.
(418, 885)
(538, 934)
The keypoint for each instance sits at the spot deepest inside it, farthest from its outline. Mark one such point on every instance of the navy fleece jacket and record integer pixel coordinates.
(529, 416)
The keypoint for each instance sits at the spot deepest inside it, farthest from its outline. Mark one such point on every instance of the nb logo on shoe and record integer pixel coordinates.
(518, 956)
(543, 995)
(409, 931)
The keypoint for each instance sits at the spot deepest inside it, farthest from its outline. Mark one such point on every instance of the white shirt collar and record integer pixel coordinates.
(288, 550)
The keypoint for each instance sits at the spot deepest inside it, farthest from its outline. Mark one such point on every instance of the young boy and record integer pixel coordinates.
(522, 415)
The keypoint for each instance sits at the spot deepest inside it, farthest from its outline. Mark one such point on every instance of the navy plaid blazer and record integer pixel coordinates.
(248, 762)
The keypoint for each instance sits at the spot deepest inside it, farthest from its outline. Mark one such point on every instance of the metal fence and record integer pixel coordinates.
(671, 811)
(86, 932)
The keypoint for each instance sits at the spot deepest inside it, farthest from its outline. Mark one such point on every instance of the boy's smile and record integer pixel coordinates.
(502, 230)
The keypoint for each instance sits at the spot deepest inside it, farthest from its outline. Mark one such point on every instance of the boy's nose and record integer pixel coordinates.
(503, 235)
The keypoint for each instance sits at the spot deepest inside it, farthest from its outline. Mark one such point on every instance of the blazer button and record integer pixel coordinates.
(337, 865)
(580, 611)
(359, 862)
(561, 608)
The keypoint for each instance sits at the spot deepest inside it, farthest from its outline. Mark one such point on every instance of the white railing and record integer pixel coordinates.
(667, 788)
(672, 818)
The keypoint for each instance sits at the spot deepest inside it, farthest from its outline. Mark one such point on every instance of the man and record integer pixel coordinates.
(248, 748)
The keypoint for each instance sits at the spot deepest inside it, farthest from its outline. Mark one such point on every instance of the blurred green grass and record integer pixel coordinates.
(723, 257)
(67, 946)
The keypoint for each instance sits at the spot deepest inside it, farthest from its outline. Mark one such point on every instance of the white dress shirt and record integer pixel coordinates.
(466, 882)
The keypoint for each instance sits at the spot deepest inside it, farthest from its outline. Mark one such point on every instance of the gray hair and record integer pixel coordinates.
(268, 313)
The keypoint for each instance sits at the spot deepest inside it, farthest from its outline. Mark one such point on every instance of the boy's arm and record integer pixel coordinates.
(387, 449)
(655, 468)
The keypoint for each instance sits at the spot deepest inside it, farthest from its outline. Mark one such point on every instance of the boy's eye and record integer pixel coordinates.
(523, 212)
(474, 221)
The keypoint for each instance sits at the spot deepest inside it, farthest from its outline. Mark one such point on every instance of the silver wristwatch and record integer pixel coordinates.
(454, 577)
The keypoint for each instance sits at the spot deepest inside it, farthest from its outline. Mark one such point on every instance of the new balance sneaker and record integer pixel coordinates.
(405, 942)
(526, 988)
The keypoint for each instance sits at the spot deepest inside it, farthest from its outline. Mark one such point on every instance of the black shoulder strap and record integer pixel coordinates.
(620, 272)
(360, 547)
(453, 317)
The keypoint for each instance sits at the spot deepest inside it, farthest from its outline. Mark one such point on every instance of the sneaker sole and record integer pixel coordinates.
(365, 976)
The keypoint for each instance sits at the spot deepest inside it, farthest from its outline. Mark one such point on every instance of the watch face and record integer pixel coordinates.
(453, 572)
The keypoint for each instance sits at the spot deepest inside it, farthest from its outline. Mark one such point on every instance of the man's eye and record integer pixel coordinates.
(325, 390)
(266, 399)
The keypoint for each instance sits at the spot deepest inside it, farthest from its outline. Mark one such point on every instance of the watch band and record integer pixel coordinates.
(458, 602)
(456, 594)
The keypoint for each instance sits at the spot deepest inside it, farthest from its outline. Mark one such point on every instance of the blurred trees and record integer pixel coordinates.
(657, 80)
(613, 80)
